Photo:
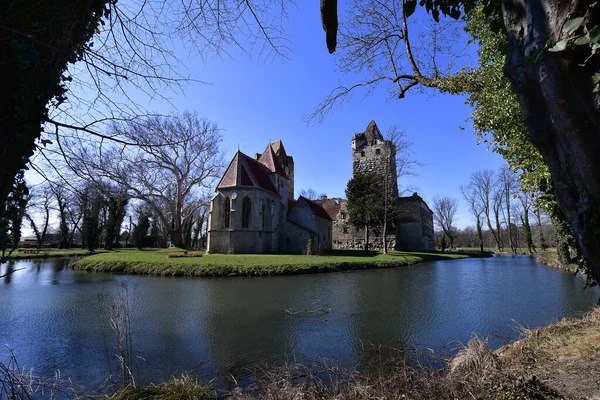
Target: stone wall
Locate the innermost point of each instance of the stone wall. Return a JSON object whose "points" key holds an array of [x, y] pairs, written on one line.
{"points": [[414, 230], [303, 215], [266, 227], [296, 238], [415, 224], [378, 158]]}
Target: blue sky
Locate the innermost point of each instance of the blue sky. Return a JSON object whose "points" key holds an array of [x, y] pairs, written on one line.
{"points": [[255, 99]]}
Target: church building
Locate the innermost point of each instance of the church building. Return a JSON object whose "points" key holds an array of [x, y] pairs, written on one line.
{"points": [[254, 211]]}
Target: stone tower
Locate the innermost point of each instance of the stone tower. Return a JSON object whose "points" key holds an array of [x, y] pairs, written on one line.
{"points": [[371, 153]]}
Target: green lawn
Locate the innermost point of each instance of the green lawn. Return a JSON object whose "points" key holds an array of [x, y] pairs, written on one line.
{"points": [[155, 261], [48, 253]]}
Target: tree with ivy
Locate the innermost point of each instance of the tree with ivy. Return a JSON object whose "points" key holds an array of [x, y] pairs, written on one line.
{"points": [[140, 231], [16, 206], [550, 58], [116, 204], [497, 120]]}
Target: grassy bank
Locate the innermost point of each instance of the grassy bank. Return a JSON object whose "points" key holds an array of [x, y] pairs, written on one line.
{"points": [[156, 262], [560, 361], [551, 259], [21, 254]]}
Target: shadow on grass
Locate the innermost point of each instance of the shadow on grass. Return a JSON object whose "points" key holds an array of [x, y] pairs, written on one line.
{"points": [[350, 253]]}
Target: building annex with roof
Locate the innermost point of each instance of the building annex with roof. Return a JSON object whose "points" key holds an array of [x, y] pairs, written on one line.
{"points": [[254, 211]]}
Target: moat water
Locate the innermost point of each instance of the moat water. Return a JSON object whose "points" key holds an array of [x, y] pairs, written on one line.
{"points": [[51, 317]]}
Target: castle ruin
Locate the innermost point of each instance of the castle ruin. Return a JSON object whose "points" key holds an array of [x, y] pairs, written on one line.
{"points": [[372, 153]]}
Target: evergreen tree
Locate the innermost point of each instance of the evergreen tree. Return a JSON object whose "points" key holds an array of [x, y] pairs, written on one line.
{"points": [[140, 231], [361, 193]]}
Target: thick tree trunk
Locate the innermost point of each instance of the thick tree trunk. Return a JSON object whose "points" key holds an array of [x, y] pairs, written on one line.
{"points": [[495, 234], [541, 229], [366, 246], [479, 234], [511, 241], [385, 247], [177, 239], [560, 111], [498, 237]]}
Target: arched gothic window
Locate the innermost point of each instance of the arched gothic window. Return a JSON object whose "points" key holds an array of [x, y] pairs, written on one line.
{"points": [[226, 211], [246, 211]]}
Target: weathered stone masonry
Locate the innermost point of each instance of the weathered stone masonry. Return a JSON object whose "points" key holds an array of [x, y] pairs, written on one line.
{"points": [[371, 153]]}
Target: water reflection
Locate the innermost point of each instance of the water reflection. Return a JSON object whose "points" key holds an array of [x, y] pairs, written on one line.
{"points": [[51, 315]]}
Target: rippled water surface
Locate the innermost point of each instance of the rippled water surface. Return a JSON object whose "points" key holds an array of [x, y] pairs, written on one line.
{"points": [[50, 316]]}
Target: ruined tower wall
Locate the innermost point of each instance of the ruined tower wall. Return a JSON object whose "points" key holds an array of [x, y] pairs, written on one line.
{"points": [[378, 158]]}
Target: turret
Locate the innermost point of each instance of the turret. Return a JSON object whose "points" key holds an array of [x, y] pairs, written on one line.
{"points": [[371, 153]]}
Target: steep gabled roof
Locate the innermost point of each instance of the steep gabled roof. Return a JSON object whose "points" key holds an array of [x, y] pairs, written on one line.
{"points": [[269, 159], [331, 207], [246, 171], [229, 178], [316, 208], [278, 148]]}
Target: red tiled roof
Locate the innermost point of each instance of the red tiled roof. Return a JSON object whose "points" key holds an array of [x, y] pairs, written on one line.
{"points": [[245, 178], [331, 207], [281, 153], [230, 176], [278, 148], [269, 159], [316, 209], [260, 173], [246, 171]]}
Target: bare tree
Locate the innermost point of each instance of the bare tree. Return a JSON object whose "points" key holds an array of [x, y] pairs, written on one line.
{"points": [[527, 200], [538, 215], [177, 157], [377, 43], [38, 212], [387, 187], [507, 182], [311, 194], [61, 206], [444, 214], [483, 183], [497, 209], [406, 163], [470, 194], [70, 68], [395, 162]]}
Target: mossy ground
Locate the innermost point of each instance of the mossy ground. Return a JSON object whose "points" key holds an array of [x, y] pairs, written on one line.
{"points": [[156, 262]]}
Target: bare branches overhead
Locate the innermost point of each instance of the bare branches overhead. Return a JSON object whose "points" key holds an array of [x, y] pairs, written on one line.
{"points": [[378, 46]]}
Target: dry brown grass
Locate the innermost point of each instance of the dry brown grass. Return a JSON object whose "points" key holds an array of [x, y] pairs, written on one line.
{"points": [[475, 361], [524, 370], [185, 387], [568, 337]]}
